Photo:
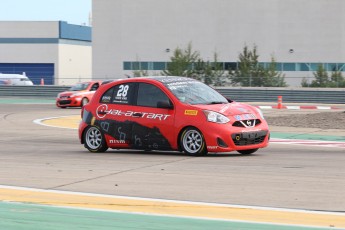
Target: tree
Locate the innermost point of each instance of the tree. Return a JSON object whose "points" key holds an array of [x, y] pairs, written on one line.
{"points": [[182, 62], [248, 72], [274, 78], [251, 73], [211, 73], [305, 82], [337, 80], [321, 77]]}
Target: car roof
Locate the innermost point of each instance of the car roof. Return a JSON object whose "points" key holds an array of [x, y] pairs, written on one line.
{"points": [[161, 79], [87, 82]]}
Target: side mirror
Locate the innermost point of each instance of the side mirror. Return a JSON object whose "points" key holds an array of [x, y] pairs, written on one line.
{"points": [[164, 105]]}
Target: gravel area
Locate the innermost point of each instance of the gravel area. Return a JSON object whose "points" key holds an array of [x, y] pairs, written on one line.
{"points": [[322, 120]]}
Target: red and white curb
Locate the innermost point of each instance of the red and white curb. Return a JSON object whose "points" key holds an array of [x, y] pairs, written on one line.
{"points": [[333, 144], [297, 107]]}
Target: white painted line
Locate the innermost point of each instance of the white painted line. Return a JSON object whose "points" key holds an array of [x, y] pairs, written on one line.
{"points": [[265, 107], [171, 201], [323, 107], [293, 107], [332, 144], [40, 122]]}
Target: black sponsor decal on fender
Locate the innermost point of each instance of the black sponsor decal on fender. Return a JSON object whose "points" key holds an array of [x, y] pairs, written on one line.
{"points": [[136, 135]]}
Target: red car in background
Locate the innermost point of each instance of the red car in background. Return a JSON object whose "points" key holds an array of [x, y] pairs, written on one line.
{"points": [[170, 113], [78, 95]]}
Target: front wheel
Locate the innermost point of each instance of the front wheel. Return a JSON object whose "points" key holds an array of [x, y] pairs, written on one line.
{"points": [[84, 101], [94, 140], [192, 142], [247, 152]]}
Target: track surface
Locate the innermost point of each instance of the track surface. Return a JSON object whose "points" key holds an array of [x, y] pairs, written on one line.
{"points": [[280, 176]]}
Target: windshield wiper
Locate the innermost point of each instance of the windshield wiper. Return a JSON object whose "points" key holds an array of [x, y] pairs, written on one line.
{"points": [[216, 102]]}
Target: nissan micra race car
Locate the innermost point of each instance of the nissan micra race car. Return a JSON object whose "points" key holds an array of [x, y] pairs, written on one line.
{"points": [[170, 113], [78, 95]]}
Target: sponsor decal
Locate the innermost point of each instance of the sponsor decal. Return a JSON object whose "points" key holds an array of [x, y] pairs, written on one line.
{"points": [[117, 141], [251, 130], [102, 111], [243, 110], [248, 116], [191, 112], [106, 99], [238, 117], [135, 135], [224, 108], [212, 147]]}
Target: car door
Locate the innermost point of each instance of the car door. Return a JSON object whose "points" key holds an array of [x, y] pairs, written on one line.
{"points": [[115, 114], [153, 124]]}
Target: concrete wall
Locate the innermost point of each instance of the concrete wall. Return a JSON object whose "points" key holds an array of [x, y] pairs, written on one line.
{"points": [[74, 64], [139, 30]]}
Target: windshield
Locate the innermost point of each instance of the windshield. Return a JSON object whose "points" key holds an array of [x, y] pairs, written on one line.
{"points": [[24, 79], [194, 92], [79, 86]]}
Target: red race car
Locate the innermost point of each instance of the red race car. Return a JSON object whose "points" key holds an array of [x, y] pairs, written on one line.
{"points": [[78, 95], [170, 113]]}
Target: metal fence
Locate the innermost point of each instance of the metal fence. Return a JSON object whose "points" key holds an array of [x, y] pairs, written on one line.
{"points": [[292, 95], [46, 91], [296, 95]]}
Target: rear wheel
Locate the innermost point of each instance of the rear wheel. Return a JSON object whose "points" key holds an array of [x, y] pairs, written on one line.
{"points": [[84, 101], [247, 152], [192, 142], [94, 140]]}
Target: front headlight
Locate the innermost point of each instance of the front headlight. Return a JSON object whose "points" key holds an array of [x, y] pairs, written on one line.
{"points": [[260, 112], [216, 117], [75, 95]]}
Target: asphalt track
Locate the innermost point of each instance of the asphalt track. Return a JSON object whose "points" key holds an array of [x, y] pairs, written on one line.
{"points": [[49, 181]]}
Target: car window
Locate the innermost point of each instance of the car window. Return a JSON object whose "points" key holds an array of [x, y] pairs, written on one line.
{"points": [[107, 97], [79, 86], [119, 94], [194, 92], [94, 87], [149, 95]]}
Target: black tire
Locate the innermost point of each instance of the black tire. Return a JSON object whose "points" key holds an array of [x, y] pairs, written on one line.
{"points": [[192, 142], [94, 140], [248, 151], [84, 101]]}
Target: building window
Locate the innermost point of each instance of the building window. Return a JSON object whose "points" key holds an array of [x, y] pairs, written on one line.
{"points": [[280, 66], [289, 67]]}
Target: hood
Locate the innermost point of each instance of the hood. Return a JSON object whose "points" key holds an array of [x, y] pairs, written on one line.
{"points": [[69, 93], [230, 109]]}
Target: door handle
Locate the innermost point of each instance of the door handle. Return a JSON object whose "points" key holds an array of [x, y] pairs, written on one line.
{"points": [[137, 115], [102, 113]]}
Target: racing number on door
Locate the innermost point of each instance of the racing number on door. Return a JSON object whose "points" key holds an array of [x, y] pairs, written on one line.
{"points": [[122, 92]]}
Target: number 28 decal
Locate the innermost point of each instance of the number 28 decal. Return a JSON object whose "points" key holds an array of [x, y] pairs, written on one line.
{"points": [[122, 92]]}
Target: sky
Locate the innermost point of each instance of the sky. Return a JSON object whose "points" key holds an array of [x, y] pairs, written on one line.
{"points": [[72, 11]]}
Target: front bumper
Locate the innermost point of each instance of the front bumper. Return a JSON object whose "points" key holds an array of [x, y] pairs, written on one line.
{"points": [[70, 102], [227, 138]]}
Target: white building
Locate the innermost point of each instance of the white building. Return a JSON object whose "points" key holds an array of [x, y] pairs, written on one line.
{"points": [[129, 35], [55, 51]]}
